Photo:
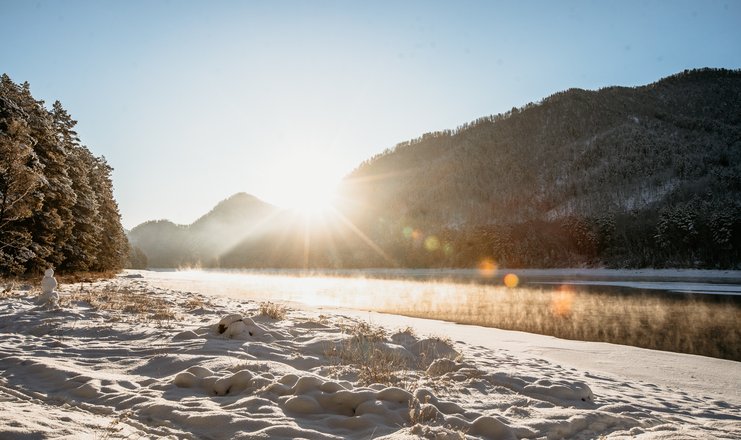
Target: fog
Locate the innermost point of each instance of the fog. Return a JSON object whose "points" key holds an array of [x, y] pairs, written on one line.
{"points": [[650, 309]]}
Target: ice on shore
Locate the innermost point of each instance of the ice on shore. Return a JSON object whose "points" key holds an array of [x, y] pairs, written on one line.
{"points": [[221, 370]]}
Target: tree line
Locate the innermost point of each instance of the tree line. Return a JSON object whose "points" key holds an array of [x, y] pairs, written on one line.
{"points": [[56, 198]]}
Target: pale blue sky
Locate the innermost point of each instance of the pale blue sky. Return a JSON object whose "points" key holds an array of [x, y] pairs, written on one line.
{"points": [[191, 102]]}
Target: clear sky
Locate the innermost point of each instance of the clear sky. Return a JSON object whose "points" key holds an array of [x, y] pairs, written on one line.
{"points": [[191, 102]]}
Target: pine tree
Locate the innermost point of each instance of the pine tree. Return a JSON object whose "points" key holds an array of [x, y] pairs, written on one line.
{"points": [[56, 198], [80, 248], [20, 176], [51, 225], [113, 249]]}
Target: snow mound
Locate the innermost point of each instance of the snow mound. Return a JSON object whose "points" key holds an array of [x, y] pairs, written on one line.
{"points": [[561, 390], [438, 367], [434, 348], [238, 326], [206, 380]]}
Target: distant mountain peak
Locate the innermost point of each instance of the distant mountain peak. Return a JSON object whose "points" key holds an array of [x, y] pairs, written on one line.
{"points": [[225, 225], [238, 199], [243, 196]]}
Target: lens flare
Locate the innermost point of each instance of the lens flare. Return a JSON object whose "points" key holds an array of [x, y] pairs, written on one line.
{"points": [[511, 280], [487, 267], [407, 231], [448, 249], [562, 302], [432, 243]]}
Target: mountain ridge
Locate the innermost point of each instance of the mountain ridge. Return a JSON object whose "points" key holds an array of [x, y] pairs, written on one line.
{"points": [[620, 176], [577, 119], [167, 244]]}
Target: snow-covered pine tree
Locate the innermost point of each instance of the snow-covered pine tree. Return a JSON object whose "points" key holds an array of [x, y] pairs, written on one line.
{"points": [[20, 176]]}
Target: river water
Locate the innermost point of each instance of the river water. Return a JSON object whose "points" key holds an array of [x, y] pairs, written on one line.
{"points": [[374, 288]]}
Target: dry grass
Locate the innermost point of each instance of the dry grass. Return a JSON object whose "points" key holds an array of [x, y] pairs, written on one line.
{"points": [[702, 324], [417, 413], [699, 324], [195, 302], [82, 277], [409, 331], [8, 284], [424, 419], [272, 310], [114, 427], [321, 319], [123, 303], [366, 332], [7, 290], [366, 352]]}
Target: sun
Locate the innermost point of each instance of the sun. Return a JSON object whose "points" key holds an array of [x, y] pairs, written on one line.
{"points": [[307, 185], [309, 195], [313, 200]]}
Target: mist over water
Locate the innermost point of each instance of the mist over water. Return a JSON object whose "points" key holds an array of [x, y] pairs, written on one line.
{"points": [[641, 310], [374, 287]]}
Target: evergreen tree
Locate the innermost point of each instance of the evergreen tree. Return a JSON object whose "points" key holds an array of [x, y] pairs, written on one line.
{"points": [[113, 249], [56, 198], [79, 250], [51, 224], [20, 176]]}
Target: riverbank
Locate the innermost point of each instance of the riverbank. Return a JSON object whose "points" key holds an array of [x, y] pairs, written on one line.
{"points": [[123, 358], [679, 316]]}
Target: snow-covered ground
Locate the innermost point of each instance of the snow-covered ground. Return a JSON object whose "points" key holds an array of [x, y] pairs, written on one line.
{"points": [[149, 362]]}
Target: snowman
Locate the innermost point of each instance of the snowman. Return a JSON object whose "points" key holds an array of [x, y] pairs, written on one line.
{"points": [[48, 295]]}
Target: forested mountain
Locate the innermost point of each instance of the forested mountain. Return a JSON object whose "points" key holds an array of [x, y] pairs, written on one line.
{"points": [[576, 151], [639, 176], [56, 198], [204, 242], [622, 176]]}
